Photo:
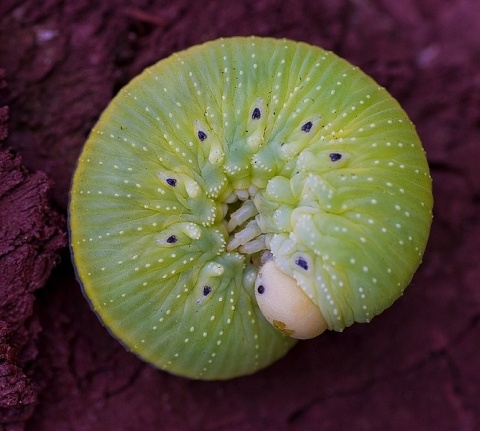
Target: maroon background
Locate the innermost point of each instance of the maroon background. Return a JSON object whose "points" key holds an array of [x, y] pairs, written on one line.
{"points": [[416, 367]]}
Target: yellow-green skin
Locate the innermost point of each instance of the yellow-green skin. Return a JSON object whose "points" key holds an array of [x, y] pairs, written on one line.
{"points": [[337, 185]]}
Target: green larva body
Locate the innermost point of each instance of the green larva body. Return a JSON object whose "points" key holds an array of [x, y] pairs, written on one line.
{"points": [[218, 153]]}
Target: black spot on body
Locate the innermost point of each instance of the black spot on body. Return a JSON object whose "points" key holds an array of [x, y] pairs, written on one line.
{"points": [[256, 114], [302, 263], [260, 289], [206, 290], [171, 182], [202, 135], [172, 239], [307, 127], [334, 157]]}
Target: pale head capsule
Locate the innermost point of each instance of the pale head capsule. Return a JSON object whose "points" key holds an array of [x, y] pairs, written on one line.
{"points": [[285, 305]]}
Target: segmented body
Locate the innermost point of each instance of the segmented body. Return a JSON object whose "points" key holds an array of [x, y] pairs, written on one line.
{"points": [[221, 152]]}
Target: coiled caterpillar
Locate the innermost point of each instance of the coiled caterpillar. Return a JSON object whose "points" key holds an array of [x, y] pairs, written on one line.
{"points": [[221, 155]]}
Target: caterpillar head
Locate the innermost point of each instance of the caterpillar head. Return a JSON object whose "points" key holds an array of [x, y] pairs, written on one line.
{"points": [[285, 305]]}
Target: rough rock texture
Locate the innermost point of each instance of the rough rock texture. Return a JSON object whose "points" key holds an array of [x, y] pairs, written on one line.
{"points": [[415, 367], [30, 234]]}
